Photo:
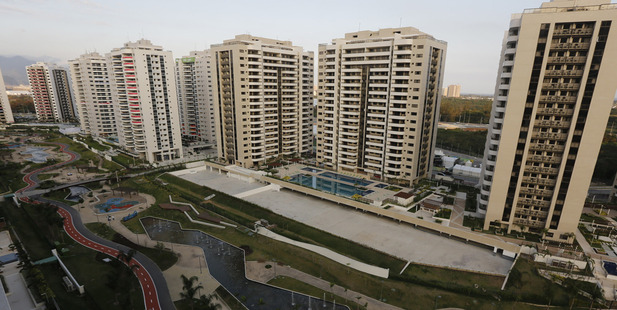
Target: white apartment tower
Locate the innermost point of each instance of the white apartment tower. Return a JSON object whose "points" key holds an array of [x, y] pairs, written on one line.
{"points": [[378, 103], [555, 88], [6, 114], [143, 89], [51, 91], [263, 98], [195, 100], [93, 95]]}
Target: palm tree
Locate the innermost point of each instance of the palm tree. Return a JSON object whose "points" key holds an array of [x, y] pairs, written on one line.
{"points": [[119, 279], [188, 290], [205, 302], [126, 257]]}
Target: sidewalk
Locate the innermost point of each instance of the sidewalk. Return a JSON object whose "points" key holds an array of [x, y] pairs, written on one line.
{"points": [[458, 211], [257, 271]]}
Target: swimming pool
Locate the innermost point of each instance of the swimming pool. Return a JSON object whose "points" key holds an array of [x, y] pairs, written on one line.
{"points": [[344, 178], [114, 204], [327, 185]]}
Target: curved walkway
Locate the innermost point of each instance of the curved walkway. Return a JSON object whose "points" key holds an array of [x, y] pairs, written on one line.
{"points": [[153, 284]]}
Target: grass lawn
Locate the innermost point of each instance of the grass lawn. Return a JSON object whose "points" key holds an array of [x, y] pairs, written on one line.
{"points": [[418, 285], [46, 176], [59, 195], [82, 262], [87, 156], [124, 160], [93, 143], [585, 217], [111, 166], [473, 222], [164, 259], [89, 269], [299, 286], [12, 178]]}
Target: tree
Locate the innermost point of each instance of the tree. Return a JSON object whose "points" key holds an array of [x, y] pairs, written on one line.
{"points": [[119, 279], [189, 290], [206, 302]]}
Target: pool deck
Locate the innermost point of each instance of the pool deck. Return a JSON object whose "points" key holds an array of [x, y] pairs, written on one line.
{"points": [[378, 194], [385, 235]]}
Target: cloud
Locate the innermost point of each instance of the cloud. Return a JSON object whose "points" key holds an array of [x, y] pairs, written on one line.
{"points": [[13, 9]]}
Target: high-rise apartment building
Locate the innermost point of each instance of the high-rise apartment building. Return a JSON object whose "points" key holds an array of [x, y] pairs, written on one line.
{"points": [[143, 88], [6, 114], [453, 91], [263, 97], [93, 95], [554, 92], [195, 100], [378, 103], [51, 91]]}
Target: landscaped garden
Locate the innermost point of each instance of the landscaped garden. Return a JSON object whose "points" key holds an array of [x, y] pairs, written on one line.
{"points": [[417, 282]]}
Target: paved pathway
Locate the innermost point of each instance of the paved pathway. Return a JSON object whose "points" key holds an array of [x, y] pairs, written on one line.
{"points": [[153, 285], [458, 212], [256, 271]]}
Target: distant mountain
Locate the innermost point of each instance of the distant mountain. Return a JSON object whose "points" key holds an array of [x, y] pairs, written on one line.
{"points": [[14, 68]]}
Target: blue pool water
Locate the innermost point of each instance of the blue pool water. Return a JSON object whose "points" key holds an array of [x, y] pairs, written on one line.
{"points": [[345, 178], [611, 268], [327, 185]]}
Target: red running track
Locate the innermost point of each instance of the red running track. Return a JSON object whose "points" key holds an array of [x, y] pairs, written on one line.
{"points": [[148, 288], [151, 300]]}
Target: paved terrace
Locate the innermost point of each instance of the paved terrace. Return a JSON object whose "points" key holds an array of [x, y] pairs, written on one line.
{"points": [[399, 240]]}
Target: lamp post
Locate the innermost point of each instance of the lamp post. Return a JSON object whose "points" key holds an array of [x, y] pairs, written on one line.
{"points": [[435, 303]]}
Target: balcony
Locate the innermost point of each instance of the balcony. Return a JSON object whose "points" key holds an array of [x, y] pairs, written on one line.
{"points": [[570, 46], [550, 136], [529, 223], [540, 181], [554, 111], [541, 214], [534, 202], [547, 147], [559, 99], [567, 73], [552, 124], [545, 159]]}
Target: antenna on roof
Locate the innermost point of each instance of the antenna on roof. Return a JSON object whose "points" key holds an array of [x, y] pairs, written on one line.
{"points": [[359, 26], [400, 24]]}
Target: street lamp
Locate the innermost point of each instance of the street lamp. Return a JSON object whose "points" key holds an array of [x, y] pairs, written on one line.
{"points": [[435, 304]]}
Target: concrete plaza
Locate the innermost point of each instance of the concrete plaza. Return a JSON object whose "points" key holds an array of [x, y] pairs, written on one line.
{"points": [[400, 240]]}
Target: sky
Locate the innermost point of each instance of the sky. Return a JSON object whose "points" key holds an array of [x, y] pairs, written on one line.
{"points": [[65, 29]]}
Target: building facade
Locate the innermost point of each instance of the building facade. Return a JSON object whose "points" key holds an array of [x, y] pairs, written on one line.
{"points": [[378, 103], [6, 114], [195, 99], [553, 96], [93, 95], [263, 98], [143, 89], [51, 91], [453, 91]]}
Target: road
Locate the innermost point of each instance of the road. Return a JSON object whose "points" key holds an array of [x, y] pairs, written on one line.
{"points": [[153, 284]]}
